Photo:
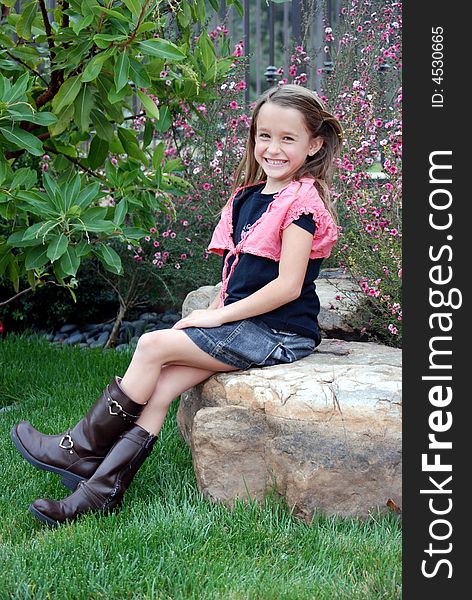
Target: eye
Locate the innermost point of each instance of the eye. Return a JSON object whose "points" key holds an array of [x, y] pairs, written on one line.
{"points": [[287, 137], [263, 135]]}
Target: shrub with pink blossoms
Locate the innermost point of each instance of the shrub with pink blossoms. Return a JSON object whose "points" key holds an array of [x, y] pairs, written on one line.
{"points": [[364, 90]]}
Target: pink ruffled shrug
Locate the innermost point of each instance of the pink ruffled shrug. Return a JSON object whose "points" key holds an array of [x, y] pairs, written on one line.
{"points": [[264, 238]]}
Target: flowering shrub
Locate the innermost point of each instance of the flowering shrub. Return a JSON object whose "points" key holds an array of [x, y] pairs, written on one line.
{"points": [[364, 91]]}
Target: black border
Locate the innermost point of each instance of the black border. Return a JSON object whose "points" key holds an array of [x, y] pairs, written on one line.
{"points": [[427, 129]]}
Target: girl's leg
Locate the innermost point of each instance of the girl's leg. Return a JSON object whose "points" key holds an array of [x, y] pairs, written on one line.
{"points": [[173, 381], [158, 348]]}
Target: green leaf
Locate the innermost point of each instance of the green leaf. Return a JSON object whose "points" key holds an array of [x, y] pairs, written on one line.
{"points": [[36, 257], [5, 169], [121, 70], [23, 139], [23, 176], [207, 50], [63, 121], [83, 248], [67, 93], [38, 204], [121, 210], [134, 233], [94, 214], [18, 90], [92, 70], [77, 26], [161, 48], [102, 126], [88, 195], [134, 6], [240, 8], [43, 118], [114, 14], [114, 96], [71, 190], [130, 145], [57, 246], [110, 259], [38, 230], [97, 152], [165, 119], [149, 106], [98, 226], [83, 104], [104, 40], [69, 261], [16, 240], [158, 155], [24, 23], [148, 133], [138, 73], [50, 185], [90, 7], [6, 257]]}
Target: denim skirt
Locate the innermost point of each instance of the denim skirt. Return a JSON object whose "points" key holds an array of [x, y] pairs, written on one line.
{"points": [[250, 343]]}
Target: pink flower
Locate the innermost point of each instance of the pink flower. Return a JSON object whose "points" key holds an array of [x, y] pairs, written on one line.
{"points": [[153, 230], [233, 104], [206, 186]]}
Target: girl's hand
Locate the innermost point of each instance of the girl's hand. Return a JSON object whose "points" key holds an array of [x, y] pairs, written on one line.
{"points": [[200, 318]]}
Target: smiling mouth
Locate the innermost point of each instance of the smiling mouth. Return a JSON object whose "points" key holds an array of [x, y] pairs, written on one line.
{"points": [[275, 163]]}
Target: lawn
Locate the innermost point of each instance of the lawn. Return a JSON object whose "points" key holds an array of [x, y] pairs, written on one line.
{"points": [[168, 542]]}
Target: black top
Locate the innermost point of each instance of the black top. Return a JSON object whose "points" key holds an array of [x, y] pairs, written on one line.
{"points": [[253, 272]]}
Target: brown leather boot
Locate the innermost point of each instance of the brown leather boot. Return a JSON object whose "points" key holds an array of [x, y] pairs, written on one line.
{"points": [[104, 491], [77, 453]]}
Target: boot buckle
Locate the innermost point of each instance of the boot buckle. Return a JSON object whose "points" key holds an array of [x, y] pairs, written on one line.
{"points": [[66, 439], [112, 403]]}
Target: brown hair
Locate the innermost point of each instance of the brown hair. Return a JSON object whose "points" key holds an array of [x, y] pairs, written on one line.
{"points": [[319, 122]]}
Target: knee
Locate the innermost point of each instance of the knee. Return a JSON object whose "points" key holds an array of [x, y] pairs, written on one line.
{"points": [[149, 344]]}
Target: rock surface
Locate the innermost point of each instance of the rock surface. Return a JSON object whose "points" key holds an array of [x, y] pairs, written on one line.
{"points": [[339, 298], [324, 432]]}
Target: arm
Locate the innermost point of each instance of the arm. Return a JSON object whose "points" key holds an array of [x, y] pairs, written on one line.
{"points": [[215, 303], [296, 248]]}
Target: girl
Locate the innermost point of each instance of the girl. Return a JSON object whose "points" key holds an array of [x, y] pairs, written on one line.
{"points": [[273, 234]]}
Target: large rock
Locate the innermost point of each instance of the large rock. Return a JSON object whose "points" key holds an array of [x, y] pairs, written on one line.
{"points": [[339, 301], [324, 432]]}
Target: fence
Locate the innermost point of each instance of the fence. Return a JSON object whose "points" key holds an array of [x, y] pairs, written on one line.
{"points": [[271, 30]]}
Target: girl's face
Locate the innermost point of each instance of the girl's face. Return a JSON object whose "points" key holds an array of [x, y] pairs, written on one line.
{"points": [[283, 143]]}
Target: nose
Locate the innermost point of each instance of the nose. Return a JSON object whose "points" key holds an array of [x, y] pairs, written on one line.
{"points": [[273, 147]]}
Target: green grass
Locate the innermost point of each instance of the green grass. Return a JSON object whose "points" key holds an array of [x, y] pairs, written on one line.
{"points": [[168, 542]]}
